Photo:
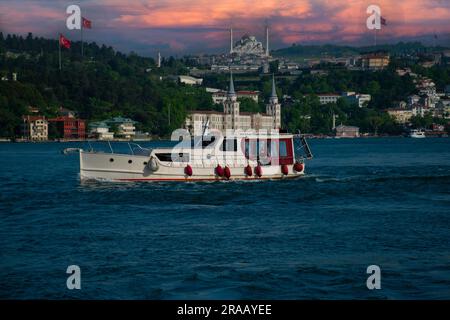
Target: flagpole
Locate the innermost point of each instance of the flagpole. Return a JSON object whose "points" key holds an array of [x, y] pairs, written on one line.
{"points": [[82, 46], [59, 51], [376, 31]]}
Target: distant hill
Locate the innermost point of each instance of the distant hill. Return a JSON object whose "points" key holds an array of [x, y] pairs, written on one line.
{"points": [[300, 51]]}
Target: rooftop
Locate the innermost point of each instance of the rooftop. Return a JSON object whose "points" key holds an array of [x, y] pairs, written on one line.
{"points": [[347, 127], [118, 120], [33, 118], [205, 112]]}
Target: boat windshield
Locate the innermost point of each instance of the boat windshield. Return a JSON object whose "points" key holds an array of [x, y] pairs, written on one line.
{"points": [[119, 147]]}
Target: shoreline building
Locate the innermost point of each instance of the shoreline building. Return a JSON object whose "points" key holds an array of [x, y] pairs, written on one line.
{"points": [[35, 128], [232, 118], [100, 130], [346, 131], [67, 126], [122, 127]]}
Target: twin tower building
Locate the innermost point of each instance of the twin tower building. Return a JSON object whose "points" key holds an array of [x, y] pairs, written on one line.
{"points": [[232, 119]]}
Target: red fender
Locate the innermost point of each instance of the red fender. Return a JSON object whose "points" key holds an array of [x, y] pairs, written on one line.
{"points": [[227, 172], [285, 169], [188, 170], [248, 171], [258, 171], [219, 171], [298, 167]]}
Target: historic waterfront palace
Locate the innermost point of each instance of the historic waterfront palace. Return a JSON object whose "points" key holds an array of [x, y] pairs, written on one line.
{"points": [[232, 118]]}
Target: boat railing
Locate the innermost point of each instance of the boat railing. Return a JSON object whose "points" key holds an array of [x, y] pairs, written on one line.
{"points": [[302, 149]]}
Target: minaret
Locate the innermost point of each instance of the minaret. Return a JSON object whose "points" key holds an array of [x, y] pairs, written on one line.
{"points": [[231, 107], [231, 40], [267, 39], [159, 59], [273, 108], [231, 93], [273, 95]]}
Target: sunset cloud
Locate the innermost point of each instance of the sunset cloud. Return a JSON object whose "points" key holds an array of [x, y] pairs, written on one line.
{"points": [[181, 26]]}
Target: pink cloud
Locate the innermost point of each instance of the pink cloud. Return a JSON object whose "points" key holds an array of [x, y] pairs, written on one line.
{"points": [[187, 24]]}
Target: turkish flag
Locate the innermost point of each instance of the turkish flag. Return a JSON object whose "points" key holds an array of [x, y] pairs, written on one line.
{"points": [[87, 23], [64, 42]]}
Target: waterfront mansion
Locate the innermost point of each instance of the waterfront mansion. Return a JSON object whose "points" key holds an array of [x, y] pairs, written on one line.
{"points": [[232, 118]]}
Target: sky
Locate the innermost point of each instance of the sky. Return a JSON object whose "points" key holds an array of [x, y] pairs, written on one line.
{"points": [[178, 27]]}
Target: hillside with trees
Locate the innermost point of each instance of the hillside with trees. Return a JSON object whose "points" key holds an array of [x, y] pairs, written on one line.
{"points": [[103, 84], [107, 83]]}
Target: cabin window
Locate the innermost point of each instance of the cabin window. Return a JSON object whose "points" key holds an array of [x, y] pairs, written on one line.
{"points": [[264, 152], [286, 151], [167, 157], [283, 148], [251, 149], [208, 141]]}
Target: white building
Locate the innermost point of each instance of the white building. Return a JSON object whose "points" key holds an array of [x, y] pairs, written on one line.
{"points": [[232, 118], [125, 127], [400, 115], [35, 128], [413, 99], [100, 131], [326, 98], [359, 99], [190, 80], [347, 131]]}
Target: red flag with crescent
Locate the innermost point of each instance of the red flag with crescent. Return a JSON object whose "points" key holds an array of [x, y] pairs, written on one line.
{"points": [[87, 24], [64, 42]]}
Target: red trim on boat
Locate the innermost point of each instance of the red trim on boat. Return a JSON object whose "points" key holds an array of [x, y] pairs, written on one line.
{"points": [[206, 179]]}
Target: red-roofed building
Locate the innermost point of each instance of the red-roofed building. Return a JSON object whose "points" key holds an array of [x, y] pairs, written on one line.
{"points": [[248, 94], [67, 127]]}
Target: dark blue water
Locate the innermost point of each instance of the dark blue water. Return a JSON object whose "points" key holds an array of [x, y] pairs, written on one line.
{"points": [[366, 201]]}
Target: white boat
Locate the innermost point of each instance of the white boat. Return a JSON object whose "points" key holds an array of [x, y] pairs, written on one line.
{"points": [[207, 158], [418, 134]]}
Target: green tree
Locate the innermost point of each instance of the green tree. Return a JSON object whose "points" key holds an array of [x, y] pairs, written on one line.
{"points": [[249, 105]]}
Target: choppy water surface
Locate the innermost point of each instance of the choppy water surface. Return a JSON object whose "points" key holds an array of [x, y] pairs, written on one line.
{"points": [[363, 202]]}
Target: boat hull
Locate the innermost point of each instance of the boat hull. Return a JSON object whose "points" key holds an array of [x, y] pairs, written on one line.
{"points": [[120, 167]]}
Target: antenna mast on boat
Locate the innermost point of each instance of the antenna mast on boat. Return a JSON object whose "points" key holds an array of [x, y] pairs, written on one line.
{"points": [[205, 127]]}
